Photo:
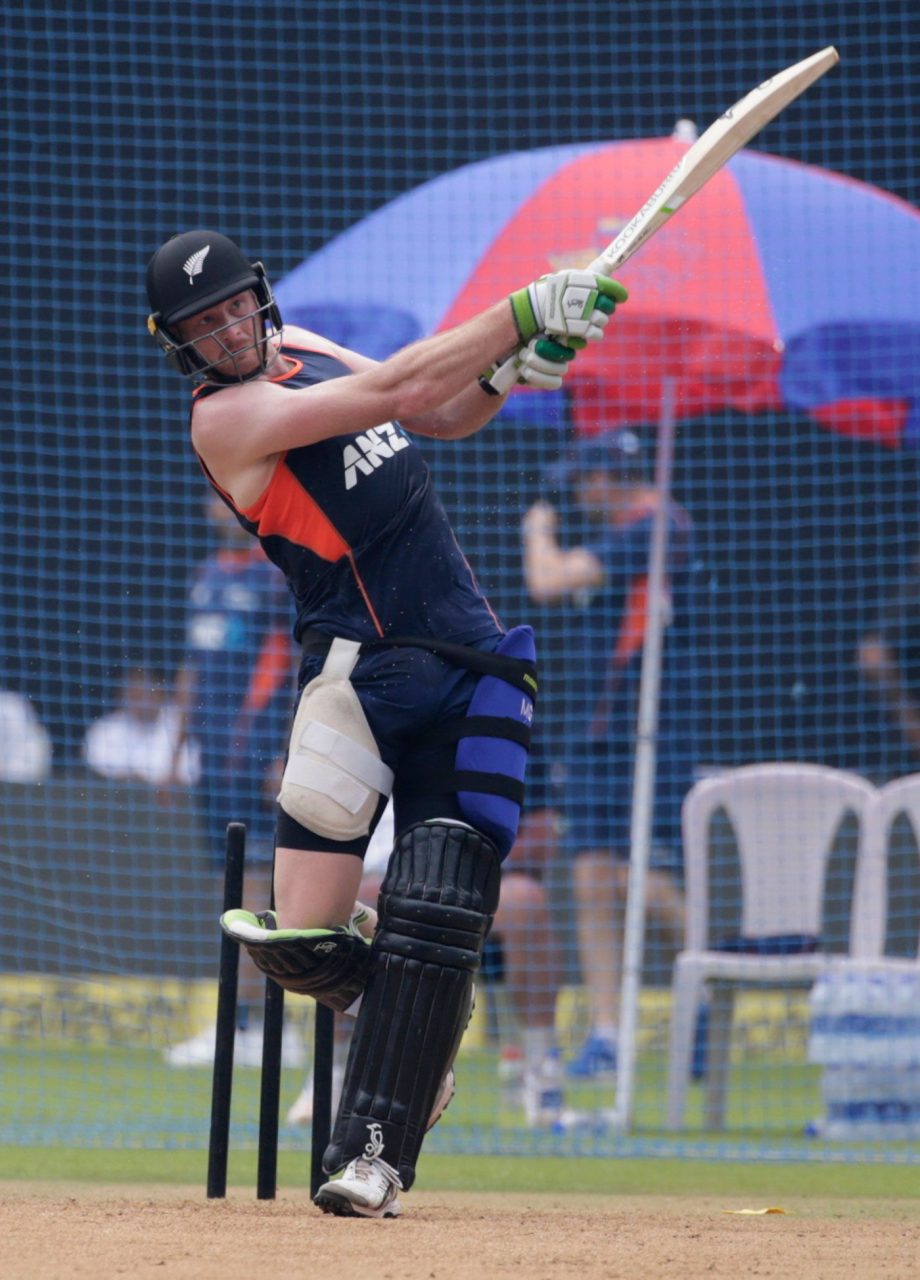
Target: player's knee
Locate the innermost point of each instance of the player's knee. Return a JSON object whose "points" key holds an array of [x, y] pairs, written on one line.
{"points": [[440, 894]]}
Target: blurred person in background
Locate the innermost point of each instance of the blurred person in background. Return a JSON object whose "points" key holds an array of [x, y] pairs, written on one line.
{"points": [[25, 744], [888, 658], [141, 740], [596, 572], [234, 694]]}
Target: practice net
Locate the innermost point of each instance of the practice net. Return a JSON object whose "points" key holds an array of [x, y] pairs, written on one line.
{"points": [[397, 167]]}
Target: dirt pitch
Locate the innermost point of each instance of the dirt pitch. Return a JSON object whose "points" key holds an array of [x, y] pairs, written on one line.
{"points": [[52, 1231]]}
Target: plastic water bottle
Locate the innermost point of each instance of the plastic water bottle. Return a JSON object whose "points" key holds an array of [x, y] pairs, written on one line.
{"points": [[905, 1017], [835, 1001], [821, 1010], [871, 1103], [865, 1031]]}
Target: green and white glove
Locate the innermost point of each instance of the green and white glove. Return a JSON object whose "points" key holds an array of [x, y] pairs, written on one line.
{"points": [[331, 965], [572, 305], [542, 363]]}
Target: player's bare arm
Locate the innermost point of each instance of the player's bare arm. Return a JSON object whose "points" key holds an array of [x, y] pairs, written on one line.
{"points": [[460, 417], [260, 419]]}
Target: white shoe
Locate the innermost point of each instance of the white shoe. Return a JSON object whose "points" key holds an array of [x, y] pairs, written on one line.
{"points": [[247, 1051], [542, 1094], [367, 1189]]}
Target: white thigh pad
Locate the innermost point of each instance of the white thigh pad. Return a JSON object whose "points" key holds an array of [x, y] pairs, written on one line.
{"points": [[334, 776]]}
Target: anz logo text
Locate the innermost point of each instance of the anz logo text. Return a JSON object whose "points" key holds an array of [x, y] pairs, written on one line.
{"points": [[370, 450]]}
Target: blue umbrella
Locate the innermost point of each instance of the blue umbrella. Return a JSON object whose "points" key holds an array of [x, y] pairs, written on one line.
{"points": [[779, 284]]}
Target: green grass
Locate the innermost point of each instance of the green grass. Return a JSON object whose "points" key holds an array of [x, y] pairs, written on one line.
{"points": [[121, 1116], [607, 1177], [91, 1096]]}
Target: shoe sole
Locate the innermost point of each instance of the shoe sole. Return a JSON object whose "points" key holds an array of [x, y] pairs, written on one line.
{"points": [[342, 1207]]}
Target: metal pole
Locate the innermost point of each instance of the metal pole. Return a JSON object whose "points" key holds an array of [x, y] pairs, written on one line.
{"points": [[643, 798]]}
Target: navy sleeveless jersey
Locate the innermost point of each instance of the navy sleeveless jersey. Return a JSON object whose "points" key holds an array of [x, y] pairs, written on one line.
{"points": [[355, 526]]}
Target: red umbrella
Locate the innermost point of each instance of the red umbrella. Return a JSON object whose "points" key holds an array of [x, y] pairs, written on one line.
{"points": [[778, 285]]}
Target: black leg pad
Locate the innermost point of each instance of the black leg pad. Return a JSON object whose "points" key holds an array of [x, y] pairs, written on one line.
{"points": [[436, 907]]}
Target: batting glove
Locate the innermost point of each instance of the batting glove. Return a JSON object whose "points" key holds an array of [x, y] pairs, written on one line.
{"points": [[542, 363], [567, 304]]}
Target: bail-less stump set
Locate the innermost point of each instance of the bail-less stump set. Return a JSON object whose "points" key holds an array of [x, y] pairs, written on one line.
{"points": [[270, 1092]]}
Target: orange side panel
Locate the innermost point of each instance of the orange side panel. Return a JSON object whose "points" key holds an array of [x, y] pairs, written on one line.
{"points": [[286, 509]]}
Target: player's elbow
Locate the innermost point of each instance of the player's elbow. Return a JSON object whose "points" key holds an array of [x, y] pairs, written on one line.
{"points": [[445, 421], [418, 398]]}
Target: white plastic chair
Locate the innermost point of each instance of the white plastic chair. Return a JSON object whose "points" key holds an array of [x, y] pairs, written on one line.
{"points": [[785, 818], [898, 798]]}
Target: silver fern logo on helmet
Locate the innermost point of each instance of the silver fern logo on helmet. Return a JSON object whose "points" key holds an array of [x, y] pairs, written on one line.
{"points": [[194, 265]]}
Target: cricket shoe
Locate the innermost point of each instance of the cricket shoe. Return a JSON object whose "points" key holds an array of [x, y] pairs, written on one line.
{"points": [[367, 1189], [197, 1051]]}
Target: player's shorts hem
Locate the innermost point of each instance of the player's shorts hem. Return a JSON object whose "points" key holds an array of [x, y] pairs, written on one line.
{"points": [[290, 834]]}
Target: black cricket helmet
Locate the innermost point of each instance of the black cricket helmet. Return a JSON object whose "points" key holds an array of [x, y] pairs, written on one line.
{"points": [[196, 270]]}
